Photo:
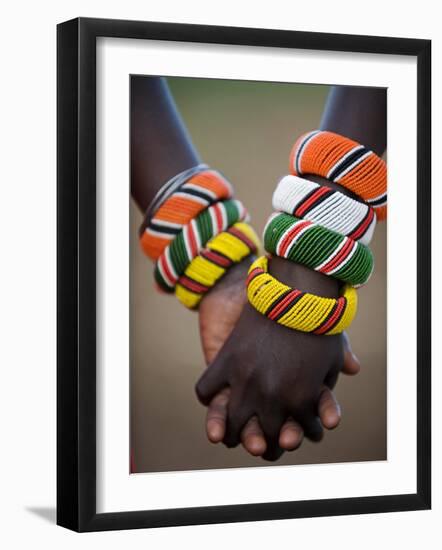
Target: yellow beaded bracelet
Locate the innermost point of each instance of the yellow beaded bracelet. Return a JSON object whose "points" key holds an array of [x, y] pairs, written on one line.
{"points": [[204, 271], [296, 309]]}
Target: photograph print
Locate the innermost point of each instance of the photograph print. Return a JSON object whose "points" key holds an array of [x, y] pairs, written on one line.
{"points": [[258, 217]]}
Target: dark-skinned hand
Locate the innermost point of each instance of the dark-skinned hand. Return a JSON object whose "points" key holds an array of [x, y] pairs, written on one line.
{"points": [[219, 311]]}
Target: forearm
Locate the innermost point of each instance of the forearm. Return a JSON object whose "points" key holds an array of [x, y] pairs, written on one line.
{"points": [[359, 114], [160, 144]]}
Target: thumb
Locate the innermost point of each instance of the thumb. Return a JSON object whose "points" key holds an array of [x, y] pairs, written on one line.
{"points": [[218, 313], [212, 381], [351, 364]]}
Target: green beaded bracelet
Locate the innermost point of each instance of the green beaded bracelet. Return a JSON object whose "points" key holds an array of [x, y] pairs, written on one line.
{"points": [[318, 248]]}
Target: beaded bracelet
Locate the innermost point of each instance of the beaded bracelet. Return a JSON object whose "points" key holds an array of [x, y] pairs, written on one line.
{"points": [[193, 238], [296, 309], [169, 188], [226, 249], [320, 204], [318, 248], [343, 161], [192, 196]]}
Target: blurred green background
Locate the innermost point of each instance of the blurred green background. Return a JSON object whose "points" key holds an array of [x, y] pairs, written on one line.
{"points": [[245, 130]]}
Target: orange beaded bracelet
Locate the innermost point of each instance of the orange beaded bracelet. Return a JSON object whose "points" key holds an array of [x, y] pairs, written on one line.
{"points": [[343, 161], [192, 197]]}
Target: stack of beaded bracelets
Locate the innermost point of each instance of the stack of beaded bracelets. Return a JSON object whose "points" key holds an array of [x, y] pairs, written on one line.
{"points": [[322, 229], [195, 234]]}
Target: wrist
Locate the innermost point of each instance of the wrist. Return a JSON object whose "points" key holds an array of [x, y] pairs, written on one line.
{"points": [[334, 186], [298, 276]]}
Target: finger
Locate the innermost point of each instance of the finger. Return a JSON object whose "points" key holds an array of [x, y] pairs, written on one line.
{"points": [[216, 416], [351, 364], [328, 409], [310, 423], [291, 435], [238, 414], [273, 453], [252, 437], [313, 429], [212, 381], [331, 378], [271, 423]]}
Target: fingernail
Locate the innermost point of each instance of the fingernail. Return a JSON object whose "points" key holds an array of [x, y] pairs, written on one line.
{"points": [[215, 433]]}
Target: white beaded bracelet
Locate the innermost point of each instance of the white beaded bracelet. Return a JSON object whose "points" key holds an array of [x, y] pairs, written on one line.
{"points": [[320, 204]]}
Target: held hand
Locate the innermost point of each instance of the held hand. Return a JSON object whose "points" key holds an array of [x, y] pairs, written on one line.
{"points": [[219, 312], [291, 434], [273, 373]]}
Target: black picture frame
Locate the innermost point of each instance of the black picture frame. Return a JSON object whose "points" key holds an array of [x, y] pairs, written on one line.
{"points": [[76, 273]]}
